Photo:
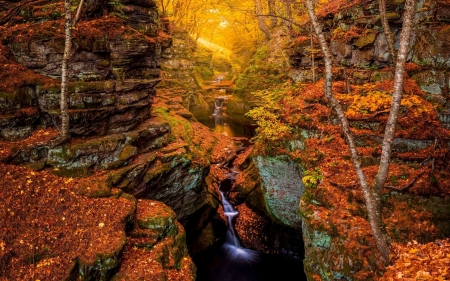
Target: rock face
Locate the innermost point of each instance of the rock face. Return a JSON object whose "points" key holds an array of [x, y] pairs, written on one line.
{"points": [[156, 249], [282, 186], [133, 141], [113, 70], [358, 44], [179, 73], [338, 242]]}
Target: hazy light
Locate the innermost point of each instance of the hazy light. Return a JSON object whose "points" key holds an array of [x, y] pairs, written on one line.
{"points": [[213, 47]]}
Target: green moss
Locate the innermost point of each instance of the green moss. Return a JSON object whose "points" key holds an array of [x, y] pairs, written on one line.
{"points": [[8, 96], [365, 40], [127, 152], [156, 171], [60, 154], [72, 172], [39, 165]]}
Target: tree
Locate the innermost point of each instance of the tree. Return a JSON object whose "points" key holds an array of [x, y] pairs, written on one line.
{"points": [[68, 26], [372, 199], [387, 31], [261, 19]]}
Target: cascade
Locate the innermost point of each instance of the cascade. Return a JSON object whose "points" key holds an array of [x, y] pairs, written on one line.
{"points": [[232, 245], [218, 106], [229, 260]]}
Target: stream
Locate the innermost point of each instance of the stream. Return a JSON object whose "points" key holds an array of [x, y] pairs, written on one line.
{"points": [[228, 259]]}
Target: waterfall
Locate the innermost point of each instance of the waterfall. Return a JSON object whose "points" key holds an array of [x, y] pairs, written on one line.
{"points": [[232, 244], [218, 104], [231, 213]]}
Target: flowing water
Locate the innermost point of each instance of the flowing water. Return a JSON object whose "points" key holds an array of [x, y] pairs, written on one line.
{"points": [[220, 124], [228, 260]]}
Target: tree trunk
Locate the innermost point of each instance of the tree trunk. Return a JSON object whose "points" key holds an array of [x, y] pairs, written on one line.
{"points": [[68, 25], [370, 206], [405, 37], [273, 20], [261, 23], [65, 131], [387, 31], [313, 63], [288, 9]]}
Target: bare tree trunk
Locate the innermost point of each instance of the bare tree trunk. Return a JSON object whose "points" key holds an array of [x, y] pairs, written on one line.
{"points": [[65, 130], [347, 81], [261, 23], [313, 63], [288, 9], [68, 25], [370, 206], [387, 31], [405, 37]]}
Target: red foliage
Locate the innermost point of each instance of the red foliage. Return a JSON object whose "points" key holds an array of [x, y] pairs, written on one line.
{"points": [[334, 6], [14, 75]]}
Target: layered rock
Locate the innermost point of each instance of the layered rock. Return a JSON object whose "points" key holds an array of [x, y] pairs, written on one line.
{"points": [[121, 140], [360, 49], [180, 75]]}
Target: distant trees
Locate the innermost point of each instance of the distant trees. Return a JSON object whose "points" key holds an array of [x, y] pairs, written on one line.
{"points": [[372, 197]]}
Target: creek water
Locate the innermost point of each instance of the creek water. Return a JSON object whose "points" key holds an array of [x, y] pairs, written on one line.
{"points": [[228, 259]]}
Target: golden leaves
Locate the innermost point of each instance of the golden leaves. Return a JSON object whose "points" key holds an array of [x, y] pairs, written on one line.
{"points": [[414, 261]]}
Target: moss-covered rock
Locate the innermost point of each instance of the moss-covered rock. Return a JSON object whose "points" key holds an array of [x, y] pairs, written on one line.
{"points": [[282, 187]]}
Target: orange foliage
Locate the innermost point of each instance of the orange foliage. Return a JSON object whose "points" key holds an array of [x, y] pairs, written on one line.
{"points": [[347, 36], [38, 136], [334, 6], [415, 261], [14, 75], [50, 225], [410, 66]]}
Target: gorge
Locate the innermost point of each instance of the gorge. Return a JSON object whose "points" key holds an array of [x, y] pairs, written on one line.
{"points": [[191, 129]]}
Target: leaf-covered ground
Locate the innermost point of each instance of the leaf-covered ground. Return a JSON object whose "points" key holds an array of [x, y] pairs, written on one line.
{"points": [[413, 261], [416, 194], [48, 230]]}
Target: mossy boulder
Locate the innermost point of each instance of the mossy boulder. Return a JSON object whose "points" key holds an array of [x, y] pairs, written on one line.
{"points": [[365, 40], [282, 187]]}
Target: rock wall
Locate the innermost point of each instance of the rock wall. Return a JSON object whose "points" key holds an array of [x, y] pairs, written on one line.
{"points": [[124, 136], [179, 74], [337, 237], [359, 48]]}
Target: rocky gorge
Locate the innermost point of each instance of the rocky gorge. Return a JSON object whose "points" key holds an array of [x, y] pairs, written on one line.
{"points": [[134, 194]]}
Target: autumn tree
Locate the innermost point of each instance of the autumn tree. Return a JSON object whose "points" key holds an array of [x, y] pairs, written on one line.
{"points": [[372, 197], [261, 19], [69, 24]]}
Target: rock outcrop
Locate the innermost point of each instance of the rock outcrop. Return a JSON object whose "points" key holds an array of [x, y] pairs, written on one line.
{"points": [[125, 139], [337, 236], [360, 50], [266, 194], [56, 233]]}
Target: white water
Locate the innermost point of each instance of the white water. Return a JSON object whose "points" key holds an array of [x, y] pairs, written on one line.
{"points": [[232, 245], [218, 104]]}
